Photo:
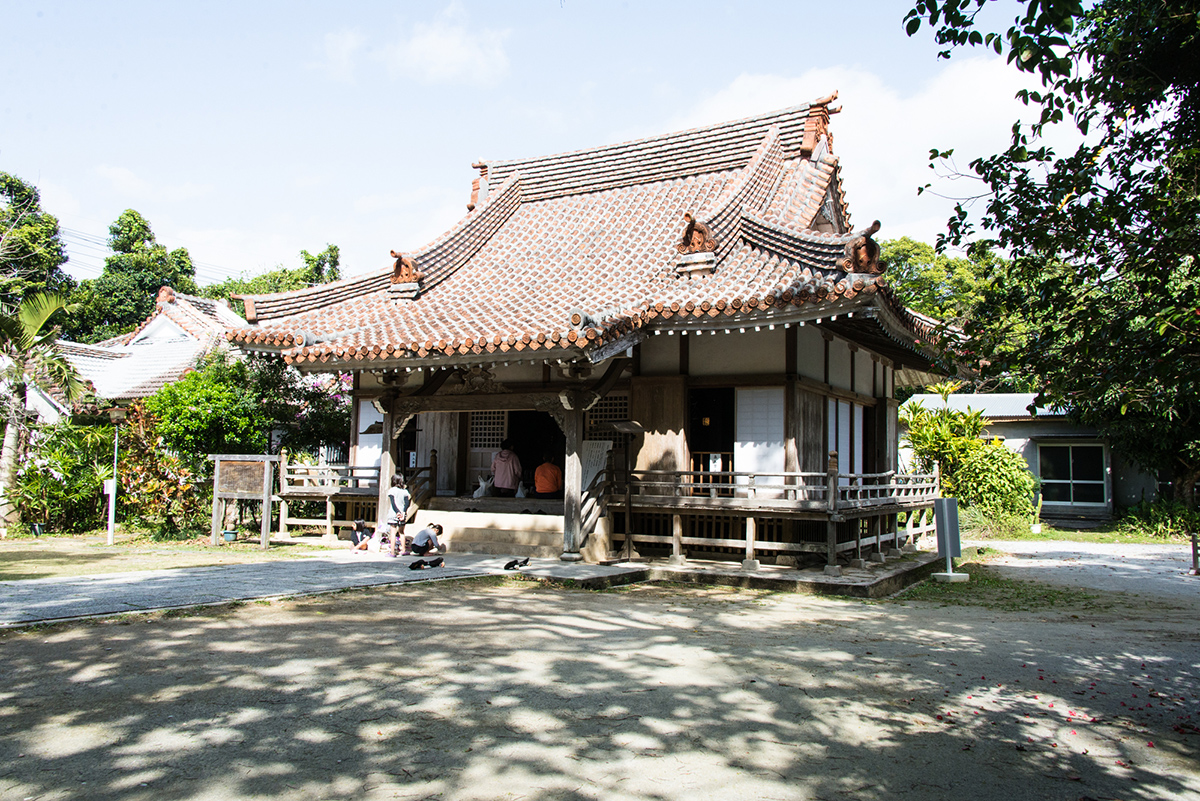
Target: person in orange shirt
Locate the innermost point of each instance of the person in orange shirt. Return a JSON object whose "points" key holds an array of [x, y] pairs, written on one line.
{"points": [[548, 479]]}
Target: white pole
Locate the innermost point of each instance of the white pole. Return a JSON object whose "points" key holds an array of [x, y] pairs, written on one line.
{"points": [[112, 495]]}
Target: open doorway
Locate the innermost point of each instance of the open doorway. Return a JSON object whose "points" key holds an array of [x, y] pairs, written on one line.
{"points": [[533, 434]]}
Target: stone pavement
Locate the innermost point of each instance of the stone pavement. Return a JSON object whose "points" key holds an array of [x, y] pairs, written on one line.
{"points": [[51, 599]]}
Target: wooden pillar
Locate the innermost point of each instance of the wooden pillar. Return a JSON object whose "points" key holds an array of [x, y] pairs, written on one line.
{"points": [[329, 516], [573, 484], [387, 465], [283, 516], [750, 563], [677, 539], [831, 499]]}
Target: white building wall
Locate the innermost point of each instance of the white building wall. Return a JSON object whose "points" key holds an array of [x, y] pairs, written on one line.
{"points": [[754, 352], [759, 434], [839, 364], [810, 353]]}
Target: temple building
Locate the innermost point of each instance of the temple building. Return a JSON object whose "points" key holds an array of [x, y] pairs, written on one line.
{"points": [[688, 324]]}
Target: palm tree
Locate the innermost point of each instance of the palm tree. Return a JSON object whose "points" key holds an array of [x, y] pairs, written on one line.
{"points": [[28, 355]]}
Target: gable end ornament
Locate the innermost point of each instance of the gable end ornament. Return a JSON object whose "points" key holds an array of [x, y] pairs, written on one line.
{"points": [[862, 253], [697, 250], [406, 279]]}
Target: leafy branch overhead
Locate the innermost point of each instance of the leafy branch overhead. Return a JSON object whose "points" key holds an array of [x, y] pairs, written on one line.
{"points": [[1101, 302]]}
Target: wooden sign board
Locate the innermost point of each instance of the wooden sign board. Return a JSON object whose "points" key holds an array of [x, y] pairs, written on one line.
{"points": [[243, 478]]}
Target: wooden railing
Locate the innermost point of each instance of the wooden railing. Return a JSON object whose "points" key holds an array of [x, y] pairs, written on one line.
{"points": [[859, 490], [593, 505], [800, 491], [325, 479], [422, 482]]}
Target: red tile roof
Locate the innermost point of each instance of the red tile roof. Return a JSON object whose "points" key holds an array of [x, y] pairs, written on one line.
{"points": [[593, 235]]}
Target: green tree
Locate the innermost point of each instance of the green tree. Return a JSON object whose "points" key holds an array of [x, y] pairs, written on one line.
{"points": [[318, 269], [944, 287], [61, 483], [210, 410], [31, 247], [246, 406], [1101, 303], [124, 295], [28, 355]]}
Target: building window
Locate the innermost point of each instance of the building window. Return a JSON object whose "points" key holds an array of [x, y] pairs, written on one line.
{"points": [[1072, 473]]}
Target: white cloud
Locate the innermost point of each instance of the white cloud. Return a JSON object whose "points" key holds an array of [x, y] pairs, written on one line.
{"points": [[884, 133], [124, 181], [339, 52], [447, 50]]}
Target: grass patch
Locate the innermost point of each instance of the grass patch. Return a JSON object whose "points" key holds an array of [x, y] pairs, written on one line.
{"points": [[988, 589]]}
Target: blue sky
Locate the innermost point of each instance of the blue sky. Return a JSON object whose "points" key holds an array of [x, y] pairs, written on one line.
{"points": [[247, 131]]}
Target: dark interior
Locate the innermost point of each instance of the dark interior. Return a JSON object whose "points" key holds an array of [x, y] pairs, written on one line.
{"points": [[532, 434]]}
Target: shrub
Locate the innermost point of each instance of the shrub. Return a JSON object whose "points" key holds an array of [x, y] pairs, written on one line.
{"points": [[61, 483], [1163, 518], [995, 479], [157, 487]]}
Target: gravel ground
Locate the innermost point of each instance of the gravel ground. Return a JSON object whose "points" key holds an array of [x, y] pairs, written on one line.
{"points": [[486, 688]]}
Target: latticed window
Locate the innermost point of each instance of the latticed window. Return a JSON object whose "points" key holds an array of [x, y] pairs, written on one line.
{"points": [[487, 429], [611, 408]]}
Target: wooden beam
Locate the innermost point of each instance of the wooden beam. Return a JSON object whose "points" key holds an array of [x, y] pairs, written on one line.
{"points": [[433, 382]]}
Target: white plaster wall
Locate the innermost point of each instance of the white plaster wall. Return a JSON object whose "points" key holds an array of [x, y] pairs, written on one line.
{"points": [[368, 447], [810, 353], [660, 355], [863, 372], [737, 354], [839, 364]]}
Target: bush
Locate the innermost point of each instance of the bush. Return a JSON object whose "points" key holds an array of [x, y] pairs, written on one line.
{"points": [[995, 479], [981, 523], [61, 483], [157, 487], [1163, 518]]}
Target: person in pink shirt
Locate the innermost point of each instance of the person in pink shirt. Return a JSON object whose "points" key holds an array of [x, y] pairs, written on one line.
{"points": [[506, 471]]}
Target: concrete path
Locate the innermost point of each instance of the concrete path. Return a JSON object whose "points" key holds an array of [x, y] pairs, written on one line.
{"points": [[37, 600], [1159, 571]]}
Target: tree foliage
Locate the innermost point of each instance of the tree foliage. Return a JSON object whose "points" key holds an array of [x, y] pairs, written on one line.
{"points": [[980, 474], [61, 484], [248, 406], [946, 288], [1101, 303], [319, 269], [157, 488], [124, 295], [31, 247], [28, 355], [211, 410]]}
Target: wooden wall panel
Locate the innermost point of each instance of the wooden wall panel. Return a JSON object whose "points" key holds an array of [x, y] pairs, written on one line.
{"points": [[811, 435], [660, 405], [440, 430]]}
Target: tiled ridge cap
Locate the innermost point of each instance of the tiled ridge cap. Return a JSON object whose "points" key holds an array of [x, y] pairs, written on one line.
{"points": [[713, 148], [268, 337], [439, 259], [286, 304], [816, 179], [66, 346], [805, 246], [185, 306], [749, 191]]}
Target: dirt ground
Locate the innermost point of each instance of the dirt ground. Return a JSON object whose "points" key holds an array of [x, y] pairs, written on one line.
{"points": [[486, 689], [88, 555]]}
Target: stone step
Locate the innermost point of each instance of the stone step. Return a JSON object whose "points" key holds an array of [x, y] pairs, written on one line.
{"points": [[508, 549], [522, 537]]}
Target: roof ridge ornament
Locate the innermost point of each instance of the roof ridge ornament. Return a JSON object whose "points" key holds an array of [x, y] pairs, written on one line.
{"points": [[406, 280], [862, 253], [697, 237]]}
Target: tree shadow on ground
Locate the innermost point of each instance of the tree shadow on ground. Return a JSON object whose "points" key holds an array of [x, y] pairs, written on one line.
{"points": [[478, 689]]}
